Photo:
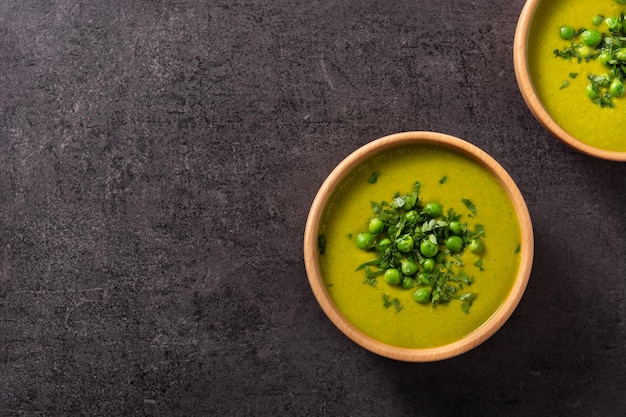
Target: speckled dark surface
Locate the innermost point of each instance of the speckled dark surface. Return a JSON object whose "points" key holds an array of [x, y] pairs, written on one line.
{"points": [[157, 162]]}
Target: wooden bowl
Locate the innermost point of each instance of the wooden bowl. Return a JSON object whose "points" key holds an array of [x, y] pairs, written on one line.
{"points": [[524, 80], [316, 280]]}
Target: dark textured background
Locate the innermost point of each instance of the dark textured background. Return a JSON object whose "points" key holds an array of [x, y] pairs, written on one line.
{"points": [[157, 162]]}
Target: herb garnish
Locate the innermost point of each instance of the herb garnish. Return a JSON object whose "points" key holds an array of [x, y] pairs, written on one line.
{"points": [[321, 244], [467, 299], [387, 302], [398, 305], [569, 53], [373, 178], [371, 275], [606, 100], [469, 205], [419, 246], [479, 264], [609, 47]]}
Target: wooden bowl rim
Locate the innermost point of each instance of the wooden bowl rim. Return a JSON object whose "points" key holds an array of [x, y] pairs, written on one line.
{"points": [[524, 81], [320, 291]]}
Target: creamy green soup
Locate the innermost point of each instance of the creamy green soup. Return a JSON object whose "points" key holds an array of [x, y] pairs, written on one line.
{"points": [[569, 105], [446, 177]]}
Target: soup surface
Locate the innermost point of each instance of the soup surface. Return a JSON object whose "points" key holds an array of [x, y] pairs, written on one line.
{"points": [[570, 107], [348, 212]]}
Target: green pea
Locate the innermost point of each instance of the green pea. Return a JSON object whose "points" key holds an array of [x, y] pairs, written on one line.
{"points": [[593, 91], [621, 1], [620, 54], [392, 276], [376, 225], [405, 244], [454, 243], [605, 57], [409, 267], [429, 264], [407, 283], [617, 88], [591, 38], [422, 295], [455, 228], [567, 32], [383, 244], [597, 19], [614, 24], [476, 246], [364, 240], [411, 216], [433, 209], [428, 248]]}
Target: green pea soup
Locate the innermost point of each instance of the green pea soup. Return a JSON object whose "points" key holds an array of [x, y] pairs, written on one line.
{"points": [[446, 177], [560, 83]]}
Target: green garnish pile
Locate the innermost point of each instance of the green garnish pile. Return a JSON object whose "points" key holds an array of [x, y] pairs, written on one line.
{"points": [[609, 47], [417, 247]]}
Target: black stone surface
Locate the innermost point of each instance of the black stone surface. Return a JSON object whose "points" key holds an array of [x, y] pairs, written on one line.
{"points": [[157, 162]]}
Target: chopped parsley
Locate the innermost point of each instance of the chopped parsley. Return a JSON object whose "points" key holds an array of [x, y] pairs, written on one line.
{"points": [[479, 264], [569, 53], [321, 244], [373, 179], [388, 302], [469, 205]]}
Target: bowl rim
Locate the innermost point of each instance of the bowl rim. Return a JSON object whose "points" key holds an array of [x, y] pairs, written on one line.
{"points": [[527, 89], [487, 329]]}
